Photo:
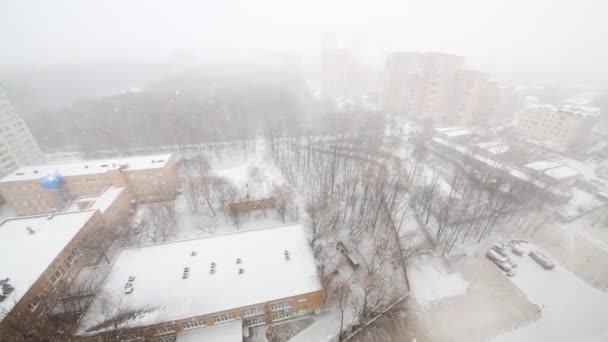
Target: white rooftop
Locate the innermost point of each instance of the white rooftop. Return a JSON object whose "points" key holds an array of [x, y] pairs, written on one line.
{"points": [[99, 202], [158, 276], [88, 167], [224, 332], [25, 253], [555, 170]]}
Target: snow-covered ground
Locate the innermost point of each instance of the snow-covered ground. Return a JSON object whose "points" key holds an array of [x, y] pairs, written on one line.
{"points": [[570, 309], [431, 281]]}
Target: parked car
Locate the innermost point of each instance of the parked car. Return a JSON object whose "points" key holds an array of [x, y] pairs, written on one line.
{"points": [[542, 260], [493, 255], [500, 249], [501, 262], [516, 249]]}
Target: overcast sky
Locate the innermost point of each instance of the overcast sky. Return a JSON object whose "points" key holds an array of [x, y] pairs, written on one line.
{"points": [[551, 36]]}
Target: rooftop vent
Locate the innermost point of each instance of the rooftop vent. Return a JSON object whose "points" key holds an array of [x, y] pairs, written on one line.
{"points": [[129, 285], [286, 254], [239, 261], [30, 230], [241, 270], [50, 217], [35, 171], [186, 273], [7, 289], [19, 173], [212, 269], [104, 165], [160, 160], [86, 166], [194, 253]]}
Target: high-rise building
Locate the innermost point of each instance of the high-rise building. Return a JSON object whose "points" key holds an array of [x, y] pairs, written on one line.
{"points": [[421, 85], [436, 87], [17, 145]]}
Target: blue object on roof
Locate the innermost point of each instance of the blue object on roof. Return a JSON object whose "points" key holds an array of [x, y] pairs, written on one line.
{"points": [[51, 181]]}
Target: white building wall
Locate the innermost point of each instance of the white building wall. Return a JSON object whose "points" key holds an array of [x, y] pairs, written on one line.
{"points": [[17, 145]]}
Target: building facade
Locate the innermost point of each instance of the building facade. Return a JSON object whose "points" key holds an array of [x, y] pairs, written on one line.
{"points": [[436, 87], [561, 125], [148, 178], [17, 145]]}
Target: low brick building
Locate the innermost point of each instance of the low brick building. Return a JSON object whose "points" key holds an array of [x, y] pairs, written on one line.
{"points": [[48, 188], [155, 292], [39, 255]]}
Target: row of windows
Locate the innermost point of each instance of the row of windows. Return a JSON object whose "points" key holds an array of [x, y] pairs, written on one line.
{"points": [[258, 310], [281, 316], [168, 338], [285, 305], [193, 323], [167, 329], [225, 317], [64, 268], [254, 321]]}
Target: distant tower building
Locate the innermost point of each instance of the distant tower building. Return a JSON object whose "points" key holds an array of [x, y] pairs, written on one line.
{"points": [[17, 145], [329, 41]]}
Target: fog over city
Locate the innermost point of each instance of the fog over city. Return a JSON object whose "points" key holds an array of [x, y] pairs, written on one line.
{"points": [[274, 171]]}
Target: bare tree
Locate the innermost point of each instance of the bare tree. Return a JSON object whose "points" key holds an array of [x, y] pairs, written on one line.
{"points": [[283, 196]]}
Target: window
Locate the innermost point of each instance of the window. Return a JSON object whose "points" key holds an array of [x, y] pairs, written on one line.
{"points": [[33, 305], [168, 338], [72, 257], [281, 316], [165, 330], [193, 323], [254, 321], [224, 317], [258, 310], [61, 271], [281, 305]]}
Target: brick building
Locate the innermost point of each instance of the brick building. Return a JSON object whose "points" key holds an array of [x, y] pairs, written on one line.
{"points": [[51, 187], [39, 255], [259, 276]]}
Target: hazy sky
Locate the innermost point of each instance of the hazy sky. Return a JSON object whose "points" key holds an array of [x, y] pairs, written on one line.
{"points": [[546, 35]]}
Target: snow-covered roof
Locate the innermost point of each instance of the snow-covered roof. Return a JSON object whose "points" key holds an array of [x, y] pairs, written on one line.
{"points": [[87, 167], [494, 146], [224, 332], [158, 272], [586, 111], [447, 129], [562, 172], [555, 170], [453, 131], [582, 110], [541, 165], [496, 164], [99, 202], [29, 244]]}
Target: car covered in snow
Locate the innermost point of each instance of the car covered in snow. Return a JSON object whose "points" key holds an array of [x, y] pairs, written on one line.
{"points": [[517, 249], [542, 260], [500, 249], [500, 261]]}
